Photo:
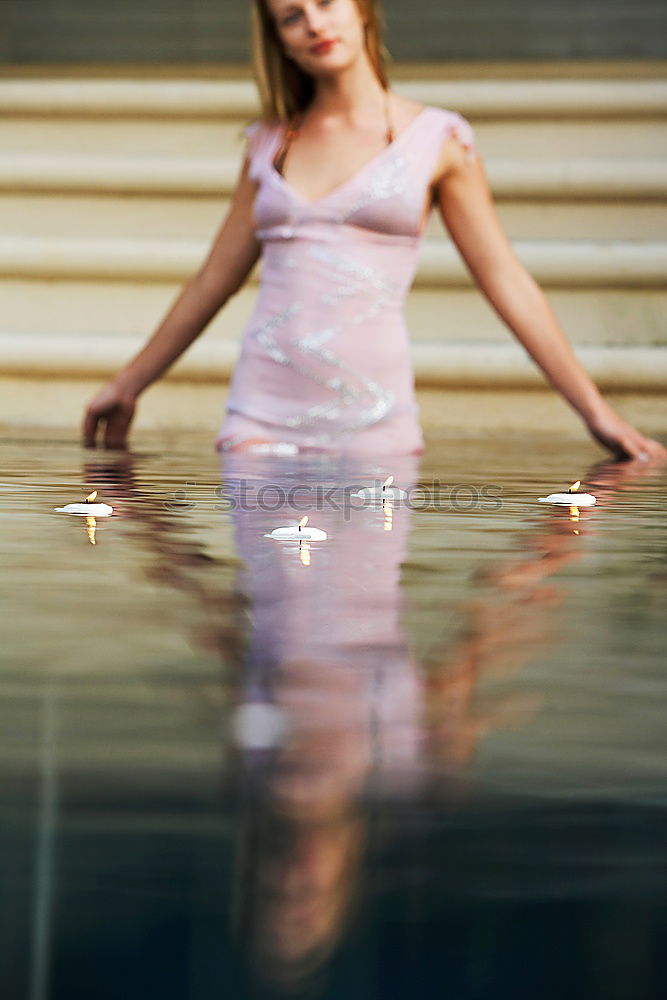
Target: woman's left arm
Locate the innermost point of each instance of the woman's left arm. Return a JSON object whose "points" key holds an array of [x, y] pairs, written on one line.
{"points": [[467, 209]]}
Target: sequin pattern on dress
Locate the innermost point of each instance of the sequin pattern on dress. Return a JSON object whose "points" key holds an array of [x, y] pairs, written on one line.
{"points": [[350, 386], [390, 180]]}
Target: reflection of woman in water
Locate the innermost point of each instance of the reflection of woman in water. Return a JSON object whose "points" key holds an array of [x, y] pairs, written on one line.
{"points": [[335, 711], [330, 703], [336, 614], [346, 712], [334, 193]]}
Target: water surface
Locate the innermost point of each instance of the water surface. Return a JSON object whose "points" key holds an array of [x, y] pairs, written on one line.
{"points": [[425, 757]]}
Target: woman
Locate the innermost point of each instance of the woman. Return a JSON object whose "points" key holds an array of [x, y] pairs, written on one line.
{"points": [[334, 192]]}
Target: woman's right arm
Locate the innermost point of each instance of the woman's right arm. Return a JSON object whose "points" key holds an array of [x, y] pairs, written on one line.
{"points": [[230, 260]]}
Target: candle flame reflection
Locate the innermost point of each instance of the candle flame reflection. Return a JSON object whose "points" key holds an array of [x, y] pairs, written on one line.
{"points": [[304, 547], [91, 525]]}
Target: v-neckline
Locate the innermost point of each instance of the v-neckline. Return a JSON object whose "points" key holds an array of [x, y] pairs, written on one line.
{"points": [[345, 184]]}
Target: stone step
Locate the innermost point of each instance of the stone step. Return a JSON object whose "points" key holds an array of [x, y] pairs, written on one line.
{"points": [[199, 218], [173, 98], [513, 119], [47, 380], [100, 309], [580, 262], [602, 293], [50, 195], [172, 406], [448, 364], [629, 138], [104, 175]]}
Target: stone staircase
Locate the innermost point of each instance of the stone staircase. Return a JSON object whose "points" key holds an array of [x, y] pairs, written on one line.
{"points": [[112, 189]]}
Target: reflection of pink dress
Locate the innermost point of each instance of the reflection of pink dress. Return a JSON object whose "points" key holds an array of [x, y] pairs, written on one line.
{"points": [[338, 618], [325, 360]]}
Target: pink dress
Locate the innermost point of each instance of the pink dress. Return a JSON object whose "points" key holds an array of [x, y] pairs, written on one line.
{"points": [[325, 361]]}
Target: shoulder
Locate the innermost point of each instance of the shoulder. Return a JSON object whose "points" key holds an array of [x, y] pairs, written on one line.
{"points": [[404, 110], [452, 142], [447, 123], [441, 128], [441, 120], [260, 134]]}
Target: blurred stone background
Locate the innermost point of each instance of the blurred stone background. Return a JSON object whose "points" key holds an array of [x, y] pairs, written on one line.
{"points": [[211, 30]]}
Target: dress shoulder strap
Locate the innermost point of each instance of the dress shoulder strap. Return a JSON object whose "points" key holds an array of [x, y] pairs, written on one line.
{"points": [[263, 140], [446, 123]]}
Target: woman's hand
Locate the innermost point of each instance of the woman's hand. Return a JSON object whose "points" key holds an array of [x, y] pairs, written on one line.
{"points": [[621, 438], [113, 409]]}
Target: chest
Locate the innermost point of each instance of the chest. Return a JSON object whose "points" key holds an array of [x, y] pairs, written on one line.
{"points": [[317, 164], [389, 194]]}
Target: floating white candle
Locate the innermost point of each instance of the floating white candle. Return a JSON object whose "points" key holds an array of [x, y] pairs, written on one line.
{"points": [[259, 726], [88, 508], [571, 498], [298, 533], [384, 492]]}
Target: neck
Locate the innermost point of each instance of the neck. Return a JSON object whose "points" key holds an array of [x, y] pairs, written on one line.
{"points": [[352, 94]]}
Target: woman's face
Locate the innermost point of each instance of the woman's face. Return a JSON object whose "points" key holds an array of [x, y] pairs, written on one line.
{"points": [[321, 36]]}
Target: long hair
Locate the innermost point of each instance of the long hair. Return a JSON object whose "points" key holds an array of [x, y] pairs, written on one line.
{"points": [[284, 88]]}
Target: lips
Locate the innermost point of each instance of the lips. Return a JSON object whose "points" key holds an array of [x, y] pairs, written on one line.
{"points": [[322, 48]]}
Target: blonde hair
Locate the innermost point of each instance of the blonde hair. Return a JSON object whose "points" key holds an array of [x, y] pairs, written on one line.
{"points": [[284, 88]]}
